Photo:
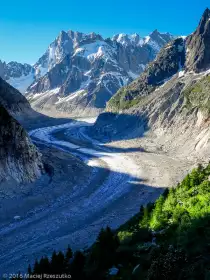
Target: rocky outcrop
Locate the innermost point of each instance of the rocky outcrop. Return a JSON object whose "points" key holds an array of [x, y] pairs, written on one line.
{"points": [[12, 99], [198, 46], [19, 158]]}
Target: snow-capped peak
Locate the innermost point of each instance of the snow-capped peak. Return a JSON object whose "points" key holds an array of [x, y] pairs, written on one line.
{"points": [[127, 39], [76, 61], [156, 39]]}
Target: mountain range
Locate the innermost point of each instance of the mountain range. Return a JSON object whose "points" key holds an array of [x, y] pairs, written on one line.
{"points": [[18, 75], [80, 72]]}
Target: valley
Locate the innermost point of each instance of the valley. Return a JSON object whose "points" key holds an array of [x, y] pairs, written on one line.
{"points": [[106, 149], [74, 213]]}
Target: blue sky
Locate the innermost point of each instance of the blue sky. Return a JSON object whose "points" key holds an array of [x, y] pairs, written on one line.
{"points": [[27, 27]]}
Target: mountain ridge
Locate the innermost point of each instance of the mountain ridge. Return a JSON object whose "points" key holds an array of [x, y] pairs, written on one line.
{"points": [[20, 160], [170, 98], [80, 72], [18, 75], [195, 58]]}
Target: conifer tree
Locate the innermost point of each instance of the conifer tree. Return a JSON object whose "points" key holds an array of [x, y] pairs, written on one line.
{"points": [[77, 266], [69, 253], [29, 269], [36, 269]]}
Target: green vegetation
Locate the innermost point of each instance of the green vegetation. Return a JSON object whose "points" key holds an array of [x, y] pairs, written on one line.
{"points": [[197, 95], [126, 98], [168, 239], [119, 101]]}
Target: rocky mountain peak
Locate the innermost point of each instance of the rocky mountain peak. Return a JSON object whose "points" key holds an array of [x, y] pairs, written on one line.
{"points": [[65, 44], [78, 37], [160, 38], [17, 74], [81, 70], [63, 36], [125, 39], [198, 46], [75, 35], [154, 33], [204, 21], [156, 40]]}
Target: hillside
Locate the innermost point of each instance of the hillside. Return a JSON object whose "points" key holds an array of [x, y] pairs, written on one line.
{"points": [[20, 160], [185, 56], [165, 240], [170, 101], [13, 100]]}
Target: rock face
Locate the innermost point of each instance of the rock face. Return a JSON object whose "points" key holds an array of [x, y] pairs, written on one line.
{"points": [[170, 101], [191, 54], [168, 62], [12, 99], [20, 76], [198, 46], [20, 161], [19, 158], [80, 72]]}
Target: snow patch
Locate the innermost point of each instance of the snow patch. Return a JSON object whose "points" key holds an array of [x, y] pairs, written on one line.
{"points": [[41, 71], [71, 96], [96, 50], [52, 54], [42, 95], [22, 83], [133, 75], [147, 38], [181, 74]]}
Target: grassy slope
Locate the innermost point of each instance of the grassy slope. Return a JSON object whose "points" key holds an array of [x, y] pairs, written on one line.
{"points": [[197, 95], [166, 240], [180, 224]]}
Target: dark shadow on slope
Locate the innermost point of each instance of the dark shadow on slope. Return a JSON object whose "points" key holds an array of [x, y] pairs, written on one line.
{"points": [[113, 127], [63, 136], [88, 211], [32, 120], [108, 127], [128, 150]]}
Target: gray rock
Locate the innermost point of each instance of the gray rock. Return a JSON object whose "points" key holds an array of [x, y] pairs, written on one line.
{"points": [[18, 75], [169, 61], [89, 70], [12, 99], [169, 103], [19, 158], [198, 46], [190, 54]]}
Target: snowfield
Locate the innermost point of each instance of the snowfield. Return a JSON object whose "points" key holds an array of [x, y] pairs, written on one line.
{"points": [[22, 83]]}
